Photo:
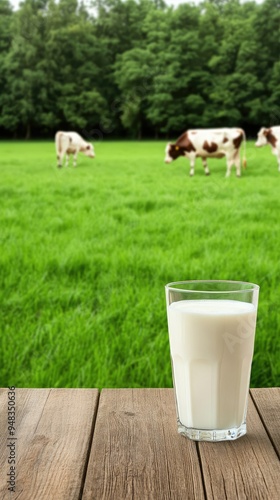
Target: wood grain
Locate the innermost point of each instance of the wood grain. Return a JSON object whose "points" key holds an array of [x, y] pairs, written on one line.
{"points": [[268, 405], [247, 468], [137, 452], [54, 431]]}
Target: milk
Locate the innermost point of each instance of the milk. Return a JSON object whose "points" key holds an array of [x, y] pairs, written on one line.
{"points": [[211, 343]]}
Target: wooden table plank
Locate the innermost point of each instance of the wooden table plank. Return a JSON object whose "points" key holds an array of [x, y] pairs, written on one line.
{"points": [[137, 452], [247, 468], [268, 405], [54, 431]]}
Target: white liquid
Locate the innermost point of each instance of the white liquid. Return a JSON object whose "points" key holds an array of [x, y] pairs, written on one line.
{"points": [[211, 343]]}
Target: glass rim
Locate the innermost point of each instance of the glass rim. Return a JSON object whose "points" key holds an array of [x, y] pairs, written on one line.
{"points": [[248, 286]]}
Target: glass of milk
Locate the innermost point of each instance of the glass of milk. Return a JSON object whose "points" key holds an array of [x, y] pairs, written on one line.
{"points": [[211, 326]]}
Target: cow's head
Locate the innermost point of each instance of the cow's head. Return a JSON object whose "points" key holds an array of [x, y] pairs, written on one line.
{"points": [[262, 137], [89, 150], [172, 152]]}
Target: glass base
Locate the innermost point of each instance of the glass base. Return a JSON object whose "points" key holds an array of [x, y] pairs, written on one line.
{"points": [[212, 435]]}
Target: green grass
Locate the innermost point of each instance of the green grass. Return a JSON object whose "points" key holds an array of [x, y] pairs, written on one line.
{"points": [[86, 252]]}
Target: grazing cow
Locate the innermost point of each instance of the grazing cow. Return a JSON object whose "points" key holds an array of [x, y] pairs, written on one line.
{"points": [[270, 136], [209, 143], [71, 143]]}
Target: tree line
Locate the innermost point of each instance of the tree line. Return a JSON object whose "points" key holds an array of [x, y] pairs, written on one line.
{"points": [[138, 68]]}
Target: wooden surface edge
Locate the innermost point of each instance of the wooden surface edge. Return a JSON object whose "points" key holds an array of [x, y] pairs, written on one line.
{"points": [[267, 403]]}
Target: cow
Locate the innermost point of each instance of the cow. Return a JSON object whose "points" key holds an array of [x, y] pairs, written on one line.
{"points": [[67, 143], [270, 136], [209, 143]]}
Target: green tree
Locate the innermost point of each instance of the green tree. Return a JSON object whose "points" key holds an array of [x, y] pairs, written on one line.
{"points": [[24, 78], [73, 66], [119, 24], [133, 77], [176, 98], [7, 120], [235, 88], [138, 66], [267, 35]]}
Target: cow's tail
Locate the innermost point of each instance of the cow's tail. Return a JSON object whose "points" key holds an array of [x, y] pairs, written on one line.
{"points": [[244, 160], [58, 137]]}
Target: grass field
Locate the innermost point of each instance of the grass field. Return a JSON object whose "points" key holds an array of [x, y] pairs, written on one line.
{"points": [[86, 252]]}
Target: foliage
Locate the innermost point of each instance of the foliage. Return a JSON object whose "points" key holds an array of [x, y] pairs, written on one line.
{"points": [[138, 67], [86, 252]]}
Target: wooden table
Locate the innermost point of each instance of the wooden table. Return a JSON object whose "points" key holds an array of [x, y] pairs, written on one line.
{"points": [[123, 444]]}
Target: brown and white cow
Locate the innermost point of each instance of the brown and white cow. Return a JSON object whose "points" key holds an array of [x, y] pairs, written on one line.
{"points": [[67, 143], [209, 143], [270, 136]]}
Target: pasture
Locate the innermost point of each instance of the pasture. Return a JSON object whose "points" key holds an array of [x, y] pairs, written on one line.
{"points": [[86, 252]]}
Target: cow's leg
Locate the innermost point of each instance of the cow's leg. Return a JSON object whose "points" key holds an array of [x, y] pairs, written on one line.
{"points": [[206, 169], [59, 160], [229, 165], [278, 158], [192, 163], [62, 147], [237, 163], [75, 159], [59, 155], [230, 162]]}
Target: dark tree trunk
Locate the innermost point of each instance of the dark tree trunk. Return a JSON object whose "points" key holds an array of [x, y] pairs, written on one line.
{"points": [[28, 131], [139, 134]]}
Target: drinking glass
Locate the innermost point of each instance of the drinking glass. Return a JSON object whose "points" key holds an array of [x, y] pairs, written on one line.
{"points": [[211, 326]]}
